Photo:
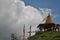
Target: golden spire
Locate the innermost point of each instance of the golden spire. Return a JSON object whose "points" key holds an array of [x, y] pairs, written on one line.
{"points": [[49, 19]]}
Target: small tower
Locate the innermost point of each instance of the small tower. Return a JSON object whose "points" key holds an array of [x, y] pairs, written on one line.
{"points": [[49, 21]]}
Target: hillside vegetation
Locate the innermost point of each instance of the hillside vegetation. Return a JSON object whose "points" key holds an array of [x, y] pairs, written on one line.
{"points": [[45, 36]]}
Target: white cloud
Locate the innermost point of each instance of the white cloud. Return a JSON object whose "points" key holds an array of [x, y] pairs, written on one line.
{"points": [[13, 14]]}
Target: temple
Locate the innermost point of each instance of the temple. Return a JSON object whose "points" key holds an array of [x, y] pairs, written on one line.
{"points": [[49, 25]]}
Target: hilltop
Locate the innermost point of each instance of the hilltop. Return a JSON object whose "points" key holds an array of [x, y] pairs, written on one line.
{"points": [[45, 36]]}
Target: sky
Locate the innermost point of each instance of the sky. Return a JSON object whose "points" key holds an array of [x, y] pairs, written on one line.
{"points": [[15, 13], [54, 5]]}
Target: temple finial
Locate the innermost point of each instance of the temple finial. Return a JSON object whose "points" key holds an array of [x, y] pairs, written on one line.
{"points": [[49, 12]]}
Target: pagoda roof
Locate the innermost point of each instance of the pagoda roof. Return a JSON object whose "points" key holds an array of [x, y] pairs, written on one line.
{"points": [[49, 19]]}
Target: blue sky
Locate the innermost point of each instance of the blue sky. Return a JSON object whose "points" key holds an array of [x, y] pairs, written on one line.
{"points": [[52, 4]]}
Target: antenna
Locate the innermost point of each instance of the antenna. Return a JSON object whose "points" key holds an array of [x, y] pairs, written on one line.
{"points": [[49, 11], [24, 32], [24, 37], [30, 31]]}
